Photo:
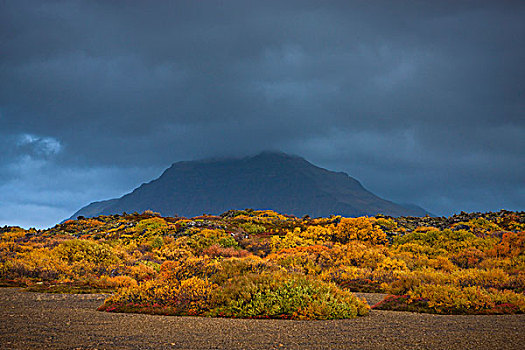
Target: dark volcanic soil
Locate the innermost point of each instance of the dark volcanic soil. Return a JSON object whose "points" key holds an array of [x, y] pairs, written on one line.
{"points": [[48, 321]]}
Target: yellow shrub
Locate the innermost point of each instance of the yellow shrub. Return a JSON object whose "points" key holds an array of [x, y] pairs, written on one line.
{"points": [[392, 265], [349, 229], [316, 234]]}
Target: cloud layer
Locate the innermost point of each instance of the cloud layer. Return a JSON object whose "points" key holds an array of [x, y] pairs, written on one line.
{"points": [[423, 102]]}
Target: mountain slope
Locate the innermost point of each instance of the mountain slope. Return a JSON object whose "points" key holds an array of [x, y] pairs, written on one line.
{"points": [[277, 181]]}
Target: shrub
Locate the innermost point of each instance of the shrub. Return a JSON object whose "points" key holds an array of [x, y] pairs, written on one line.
{"points": [[468, 258], [218, 251], [280, 295], [392, 266], [362, 229], [464, 300], [81, 250], [512, 245], [251, 228], [205, 238], [448, 299], [186, 297]]}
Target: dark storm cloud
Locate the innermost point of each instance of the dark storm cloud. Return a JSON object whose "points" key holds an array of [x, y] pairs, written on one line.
{"points": [[420, 100]]}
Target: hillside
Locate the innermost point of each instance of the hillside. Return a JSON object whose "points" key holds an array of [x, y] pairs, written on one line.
{"points": [[270, 180]]}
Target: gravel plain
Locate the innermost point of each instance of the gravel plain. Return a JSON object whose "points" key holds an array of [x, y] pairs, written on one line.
{"points": [[65, 321]]}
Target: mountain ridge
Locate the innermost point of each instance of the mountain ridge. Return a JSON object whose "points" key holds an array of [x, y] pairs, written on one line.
{"points": [[269, 180]]}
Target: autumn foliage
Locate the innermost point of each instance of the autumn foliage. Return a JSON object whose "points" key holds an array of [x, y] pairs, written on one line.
{"points": [[262, 264]]}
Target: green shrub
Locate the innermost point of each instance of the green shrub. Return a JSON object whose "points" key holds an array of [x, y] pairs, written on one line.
{"points": [[205, 238], [81, 250], [279, 295], [251, 228]]}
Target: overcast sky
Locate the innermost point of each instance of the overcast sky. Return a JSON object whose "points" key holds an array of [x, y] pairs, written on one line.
{"points": [[421, 101]]}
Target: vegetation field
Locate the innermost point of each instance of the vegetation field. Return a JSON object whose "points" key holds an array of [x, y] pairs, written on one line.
{"points": [[262, 264]]}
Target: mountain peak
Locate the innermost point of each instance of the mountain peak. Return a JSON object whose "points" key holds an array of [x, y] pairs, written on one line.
{"points": [[276, 154]]}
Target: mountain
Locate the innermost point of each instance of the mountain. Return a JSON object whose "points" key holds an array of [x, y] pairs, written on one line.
{"points": [[271, 180]]}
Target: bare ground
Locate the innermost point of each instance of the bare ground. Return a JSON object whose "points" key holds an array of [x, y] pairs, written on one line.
{"points": [[59, 321]]}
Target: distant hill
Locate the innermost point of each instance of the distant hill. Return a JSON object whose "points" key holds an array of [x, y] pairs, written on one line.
{"points": [[270, 180]]}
